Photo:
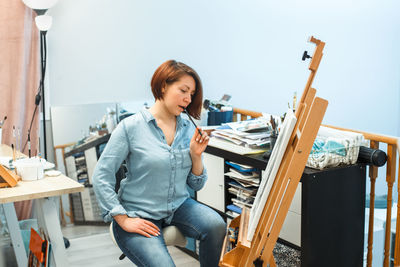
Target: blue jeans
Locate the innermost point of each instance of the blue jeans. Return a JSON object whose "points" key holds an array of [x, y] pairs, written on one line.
{"points": [[193, 220]]}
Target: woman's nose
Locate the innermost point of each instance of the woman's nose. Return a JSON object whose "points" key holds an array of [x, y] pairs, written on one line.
{"points": [[188, 98]]}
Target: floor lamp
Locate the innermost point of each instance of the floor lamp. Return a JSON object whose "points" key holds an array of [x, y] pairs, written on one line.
{"points": [[43, 22]]}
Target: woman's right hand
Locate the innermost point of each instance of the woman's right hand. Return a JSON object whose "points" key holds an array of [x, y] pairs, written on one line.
{"points": [[137, 225]]}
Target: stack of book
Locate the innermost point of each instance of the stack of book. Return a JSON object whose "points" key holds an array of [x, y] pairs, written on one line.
{"points": [[243, 185], [81, 169], [39, 250]]}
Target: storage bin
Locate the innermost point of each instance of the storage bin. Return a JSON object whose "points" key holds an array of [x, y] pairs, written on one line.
{"points": [[25, 226], [219, 117]]}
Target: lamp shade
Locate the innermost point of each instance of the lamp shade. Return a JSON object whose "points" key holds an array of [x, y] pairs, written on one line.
{"points": [[40, 4], [43, 22]]}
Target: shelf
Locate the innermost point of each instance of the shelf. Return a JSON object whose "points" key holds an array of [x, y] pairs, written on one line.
{"points": [[85, 146], [256, 160]]}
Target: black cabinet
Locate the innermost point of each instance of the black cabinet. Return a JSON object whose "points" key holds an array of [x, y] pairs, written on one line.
{"points": [[328, 224], [333, 214]]}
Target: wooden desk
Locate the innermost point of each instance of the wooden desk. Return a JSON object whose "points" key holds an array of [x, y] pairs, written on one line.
{"points": [[46, 211]]}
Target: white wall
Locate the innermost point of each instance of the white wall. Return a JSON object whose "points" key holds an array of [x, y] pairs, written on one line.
{"points": [[71, 123], [106, 51]]}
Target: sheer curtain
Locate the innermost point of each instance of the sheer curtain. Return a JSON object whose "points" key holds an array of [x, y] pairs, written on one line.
{"points": [[19, 78]]}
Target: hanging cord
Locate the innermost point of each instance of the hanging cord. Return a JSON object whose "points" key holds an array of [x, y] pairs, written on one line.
{"points": [[38, 97]]}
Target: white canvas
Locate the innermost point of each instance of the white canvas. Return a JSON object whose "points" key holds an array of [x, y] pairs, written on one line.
{"points": [[270, 172]]}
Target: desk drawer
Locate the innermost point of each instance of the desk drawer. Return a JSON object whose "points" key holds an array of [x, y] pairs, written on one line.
{"points": [[212, 194], [291, 229], [296, 202]]}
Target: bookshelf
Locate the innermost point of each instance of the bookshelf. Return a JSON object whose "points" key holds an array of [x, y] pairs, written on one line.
{"points": [[80, 164]]}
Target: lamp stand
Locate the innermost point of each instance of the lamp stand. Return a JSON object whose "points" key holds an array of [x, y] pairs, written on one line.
{"points": [[43, 55]]}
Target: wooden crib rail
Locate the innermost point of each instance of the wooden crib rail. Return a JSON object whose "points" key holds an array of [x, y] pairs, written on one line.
{"points": [[392, 146], [244, 114]]}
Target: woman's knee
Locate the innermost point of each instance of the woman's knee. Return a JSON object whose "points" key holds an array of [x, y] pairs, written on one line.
{"points": [[215, 226], [143, 251], [149, 256], [220, 227]]}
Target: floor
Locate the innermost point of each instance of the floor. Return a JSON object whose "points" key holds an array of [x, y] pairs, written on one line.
{"points": [[286, 256], [92, 246]]}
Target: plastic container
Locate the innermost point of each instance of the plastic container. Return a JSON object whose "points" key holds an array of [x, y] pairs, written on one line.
{"points": [[30, 169], [333, 148]]}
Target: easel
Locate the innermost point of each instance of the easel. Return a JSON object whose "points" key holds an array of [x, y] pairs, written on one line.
{"points": [[8, 178], [309, 116]]}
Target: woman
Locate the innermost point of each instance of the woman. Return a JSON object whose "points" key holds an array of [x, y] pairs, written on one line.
{"points": [[163, 155]]}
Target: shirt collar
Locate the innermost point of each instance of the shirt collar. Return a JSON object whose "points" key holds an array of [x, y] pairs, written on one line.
{"points": [[149, 117]]}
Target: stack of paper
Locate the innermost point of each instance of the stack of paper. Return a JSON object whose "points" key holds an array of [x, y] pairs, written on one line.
{"points": [[229, 146], [242, 187], [245, 179], [253, 140], [252, 134]]}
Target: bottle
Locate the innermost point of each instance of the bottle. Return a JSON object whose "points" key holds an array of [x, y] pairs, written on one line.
{"points": [[110, 121]]}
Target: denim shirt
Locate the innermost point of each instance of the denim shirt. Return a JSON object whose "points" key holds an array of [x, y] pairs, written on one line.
{"points": [[158, 174]]}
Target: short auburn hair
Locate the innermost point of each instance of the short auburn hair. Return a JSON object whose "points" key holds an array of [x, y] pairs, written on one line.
{"points": [[171, 71]]}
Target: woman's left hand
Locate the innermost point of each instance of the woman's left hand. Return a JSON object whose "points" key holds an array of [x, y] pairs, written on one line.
{"points": [[198, 143]]}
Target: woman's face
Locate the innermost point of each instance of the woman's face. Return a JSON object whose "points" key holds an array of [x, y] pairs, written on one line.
{"points": [[178, 95]]}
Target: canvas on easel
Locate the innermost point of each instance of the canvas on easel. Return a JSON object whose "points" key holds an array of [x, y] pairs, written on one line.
{"points": [[270, 172], [265, 221], [8, 178]]}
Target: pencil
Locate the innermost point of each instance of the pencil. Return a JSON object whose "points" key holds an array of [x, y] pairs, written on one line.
{"points": [[190, 118]]}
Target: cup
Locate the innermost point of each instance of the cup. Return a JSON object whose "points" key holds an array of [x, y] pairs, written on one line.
{"points": [[30, 169]]}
